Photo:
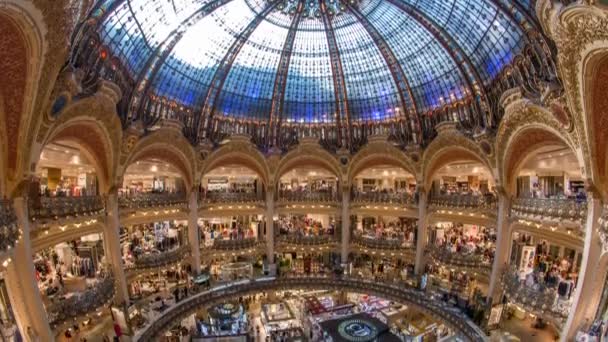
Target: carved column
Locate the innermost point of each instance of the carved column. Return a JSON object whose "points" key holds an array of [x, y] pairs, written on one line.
{"points": [[21, 284], [591, 276], [503, 246], [270, 228], [421, 236], [345, 242], [193, 234], [113, 252]]}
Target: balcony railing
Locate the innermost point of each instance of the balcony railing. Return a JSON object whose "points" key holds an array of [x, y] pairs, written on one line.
{"points": [[538, 298], [463, 201], [384, 244], [152, 200], [213, 197], [384, 198], [65, 207], [307, 196], [306, 240], [472, 261], [393, 291], [231, 245], [82, 303], [550, 209], [9, 230], [162, 259]]}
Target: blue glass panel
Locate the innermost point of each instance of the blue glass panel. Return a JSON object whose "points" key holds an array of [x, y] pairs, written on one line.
{"points": [[247, 92], [372, 94], [187, 72], [432, 73], [309, 93]]}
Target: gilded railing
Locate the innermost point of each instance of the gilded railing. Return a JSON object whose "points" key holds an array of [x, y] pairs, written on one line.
{"points": [[550, 209], [539, 297], [212, 197], [63, 207], [463, 201], [380, 243], [81, 303], [393, 291], [152, 200], [9, 229], [305, 240], [236, 244], [307, 196], [162, 259], [384, 198], [470, 260]]}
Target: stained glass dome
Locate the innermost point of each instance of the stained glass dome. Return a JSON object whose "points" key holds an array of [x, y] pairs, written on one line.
{"points": [[314, 61]]}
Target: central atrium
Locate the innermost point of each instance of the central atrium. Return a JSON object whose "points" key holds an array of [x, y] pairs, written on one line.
{"points": [[304, 170]]}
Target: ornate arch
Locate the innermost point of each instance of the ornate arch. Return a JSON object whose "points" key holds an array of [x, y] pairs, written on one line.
{"points": [[93, 124], [581, 35], [595, 119], [308, 154], [450, 147], [240, 152], [21, 58], [168, 145], [379, 153], [525, 128]]}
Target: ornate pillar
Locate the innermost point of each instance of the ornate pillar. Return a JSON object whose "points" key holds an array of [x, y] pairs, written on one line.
{"points": [[421, 236], [113, 253], [21, 284], [193, 235], [503, 246], [270, 228], [345, 241], [591, 276]]}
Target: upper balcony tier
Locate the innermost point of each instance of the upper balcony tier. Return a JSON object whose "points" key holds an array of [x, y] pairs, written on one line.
{"points": [[152, 200], [558, 212], [55, 208], [9, 230]]}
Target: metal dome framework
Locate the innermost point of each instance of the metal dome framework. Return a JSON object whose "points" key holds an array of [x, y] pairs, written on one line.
{"points": [[337, 70]]}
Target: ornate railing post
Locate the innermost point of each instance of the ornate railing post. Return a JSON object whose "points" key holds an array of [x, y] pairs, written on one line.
{"points": [[193, 233], [345, 241], [503, 244], [112, 247], [421, 236], [22, 286]]}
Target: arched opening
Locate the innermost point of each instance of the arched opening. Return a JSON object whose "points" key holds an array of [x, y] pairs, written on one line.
{"points": [[543, 175], [235, 195], [461, 249], [72, 172], [597, 116], [381, 188]]}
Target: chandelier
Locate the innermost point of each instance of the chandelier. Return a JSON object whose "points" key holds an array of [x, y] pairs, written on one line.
{"points": [[314, 8]]}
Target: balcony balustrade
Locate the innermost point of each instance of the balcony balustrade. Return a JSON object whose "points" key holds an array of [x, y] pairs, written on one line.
{"points": [[233, 245], [65, 207], [306, 240], [307, 196], [471, 261], [152, 200], [162, 259], [384, 198], [550, 209], [81, 303], [394, 291], [464, 201], [9, 229], [381, 243], [538, 298], [213, 197]]}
